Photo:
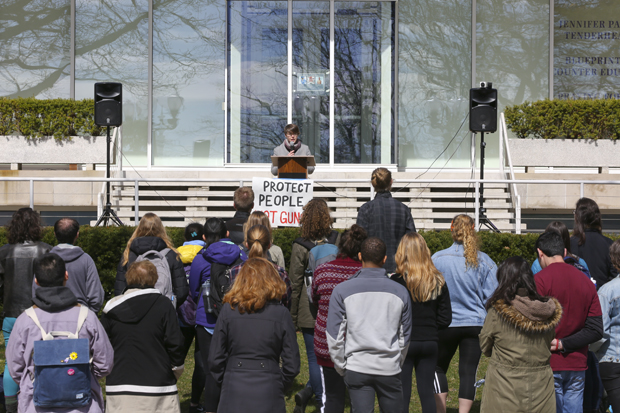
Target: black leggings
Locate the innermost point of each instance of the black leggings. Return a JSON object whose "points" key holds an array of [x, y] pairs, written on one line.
{"points": [[422, 355], [468, 343], [212, 389], [610, 375], [198, 379]]}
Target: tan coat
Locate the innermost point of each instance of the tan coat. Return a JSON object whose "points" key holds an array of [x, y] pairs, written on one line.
{"points": [[519, 377]]}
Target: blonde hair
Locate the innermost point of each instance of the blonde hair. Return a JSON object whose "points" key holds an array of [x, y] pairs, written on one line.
{"points": [[381, 179], [256, 218], [257, 283], [413, 261], [463, 233], [258, 241], [142, 273], [150, 226]]}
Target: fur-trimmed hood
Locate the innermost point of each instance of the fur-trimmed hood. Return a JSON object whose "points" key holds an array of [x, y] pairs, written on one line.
{"points": [[512, 316]]}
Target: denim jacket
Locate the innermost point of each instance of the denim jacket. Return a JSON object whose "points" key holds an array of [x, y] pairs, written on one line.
{"points": [[469, 288], [609, 296]]}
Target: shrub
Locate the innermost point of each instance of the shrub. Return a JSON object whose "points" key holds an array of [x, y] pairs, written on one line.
{"points": [[60, 118], [570, 119]]}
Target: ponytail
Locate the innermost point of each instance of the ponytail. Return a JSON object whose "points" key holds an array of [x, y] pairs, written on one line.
{"points": [[463, 233], [258, 240]]}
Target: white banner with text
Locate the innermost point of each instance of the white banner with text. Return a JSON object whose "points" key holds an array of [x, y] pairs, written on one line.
{"points": [[282, 200]]}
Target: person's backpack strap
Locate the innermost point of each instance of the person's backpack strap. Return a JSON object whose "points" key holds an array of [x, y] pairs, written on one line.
{"points": [[305, 243], [50, 335], [160, 254], [333, 237]]}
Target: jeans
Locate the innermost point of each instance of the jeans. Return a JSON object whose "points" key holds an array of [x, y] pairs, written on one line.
{"points": [[314, 370], [10, 387], [569, 387]]}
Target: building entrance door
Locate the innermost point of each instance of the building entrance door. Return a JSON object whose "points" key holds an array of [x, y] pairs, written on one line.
{"points": [[326, 66]]}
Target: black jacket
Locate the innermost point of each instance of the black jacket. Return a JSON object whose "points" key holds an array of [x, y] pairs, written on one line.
{"points": [[143, 244], [16, 267], [235, 226], [595, 252], [429, 317], [143, 329], [244, 359]]}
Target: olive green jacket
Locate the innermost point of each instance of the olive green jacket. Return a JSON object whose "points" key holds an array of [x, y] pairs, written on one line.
{"points": [[519, 377], [302, 310]]}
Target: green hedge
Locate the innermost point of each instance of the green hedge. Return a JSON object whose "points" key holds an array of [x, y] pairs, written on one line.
{"points": [[60, 118], [106, 245], [570, 119]]}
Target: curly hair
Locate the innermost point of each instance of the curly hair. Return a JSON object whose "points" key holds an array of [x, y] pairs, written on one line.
{"points": [[256, 284], [413, 261], [351, 242], [315, 221], [614, 253], [463, 233], [149, 226], [25, 225]]}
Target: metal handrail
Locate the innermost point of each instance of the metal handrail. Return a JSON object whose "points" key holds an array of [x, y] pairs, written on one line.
{"points": [[504, 146], [476, 182]]}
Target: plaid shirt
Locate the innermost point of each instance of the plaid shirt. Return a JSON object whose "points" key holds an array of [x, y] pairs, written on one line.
{"points": [[286, 298], [386, 218]]}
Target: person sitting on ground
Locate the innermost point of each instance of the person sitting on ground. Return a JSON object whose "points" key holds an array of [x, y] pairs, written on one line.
{"points": [[148, 346], [57, 309], [24, 234], [243, 202], [291, 146], [260, 218], [254, 355], [258, 241], [516, 336], [385, 217], [84, 281], [581, 324], [368, 332]]}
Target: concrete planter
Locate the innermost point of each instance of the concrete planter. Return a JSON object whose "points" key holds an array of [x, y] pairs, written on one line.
{"points": [[565, 152], [85, 150]]}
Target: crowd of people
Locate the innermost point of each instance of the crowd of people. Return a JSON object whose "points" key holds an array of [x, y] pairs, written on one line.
{"points": [[372, 303]]}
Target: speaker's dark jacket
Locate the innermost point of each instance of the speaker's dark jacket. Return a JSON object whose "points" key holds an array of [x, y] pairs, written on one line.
{"points": [[16, 267]]}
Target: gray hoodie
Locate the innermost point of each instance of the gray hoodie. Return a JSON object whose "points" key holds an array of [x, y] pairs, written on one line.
{"points": [[83, 276]]}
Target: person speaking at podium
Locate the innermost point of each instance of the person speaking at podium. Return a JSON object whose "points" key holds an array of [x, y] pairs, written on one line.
{"points": [[291, 146]]}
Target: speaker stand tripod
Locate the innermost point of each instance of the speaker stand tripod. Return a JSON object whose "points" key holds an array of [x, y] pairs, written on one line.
{"points": [[482, 215], [108, 214]]}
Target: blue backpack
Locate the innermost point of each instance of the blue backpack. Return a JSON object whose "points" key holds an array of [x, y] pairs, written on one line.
{"points": [[61, 367], [317, 255]]}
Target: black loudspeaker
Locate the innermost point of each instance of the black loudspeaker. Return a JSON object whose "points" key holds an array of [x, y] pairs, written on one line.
{"points": [[108, 104], [483, 108]]}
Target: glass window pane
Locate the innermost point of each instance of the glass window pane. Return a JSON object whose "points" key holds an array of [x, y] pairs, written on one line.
{"points": [[364, 44], [112, 46], [188, 82], [311, 76], [35, 40], [512, 52], [258, 87], [434, 78]]}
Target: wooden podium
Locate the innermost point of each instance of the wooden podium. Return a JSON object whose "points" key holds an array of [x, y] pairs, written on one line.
{"points": [[293, 167]]}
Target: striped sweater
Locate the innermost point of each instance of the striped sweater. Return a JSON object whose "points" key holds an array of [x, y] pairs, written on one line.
{"points": [[326, 277]]}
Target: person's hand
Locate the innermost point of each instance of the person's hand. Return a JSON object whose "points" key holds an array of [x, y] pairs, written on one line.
{"points": [[291, 153], [556, 345]]}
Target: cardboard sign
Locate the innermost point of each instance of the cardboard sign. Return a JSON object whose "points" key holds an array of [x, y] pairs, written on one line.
{"points": [[282, 200]]}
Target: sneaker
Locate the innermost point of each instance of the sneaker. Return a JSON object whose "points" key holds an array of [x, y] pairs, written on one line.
{"points": [[302, 398], [196, 409]]}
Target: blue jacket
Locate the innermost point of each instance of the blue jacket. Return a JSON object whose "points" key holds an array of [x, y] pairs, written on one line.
{"points": [[222, 252], [609, 346], [537, 268], [469, 288]]}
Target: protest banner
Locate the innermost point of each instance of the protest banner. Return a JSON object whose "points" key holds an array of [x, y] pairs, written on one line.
{"points": [[282, 200]]}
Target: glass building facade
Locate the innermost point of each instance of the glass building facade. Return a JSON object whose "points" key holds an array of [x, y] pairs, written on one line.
{"points": [[212, 83]]}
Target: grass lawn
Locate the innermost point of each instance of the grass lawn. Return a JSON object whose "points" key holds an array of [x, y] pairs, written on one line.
{"points": [[185, 383]]}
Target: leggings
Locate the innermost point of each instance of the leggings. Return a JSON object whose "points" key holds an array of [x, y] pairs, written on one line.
{"points": [[466, 339], [335, 390], [212, 389], [198, 378], [422, 355], [610, 375], [10, 387]]}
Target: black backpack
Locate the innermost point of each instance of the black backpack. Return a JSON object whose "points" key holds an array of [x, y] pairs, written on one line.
{"points": [[220, 285]]}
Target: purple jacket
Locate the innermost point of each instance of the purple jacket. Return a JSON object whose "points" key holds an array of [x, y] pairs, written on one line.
{"points": [[223, 252], [21, 346]]}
